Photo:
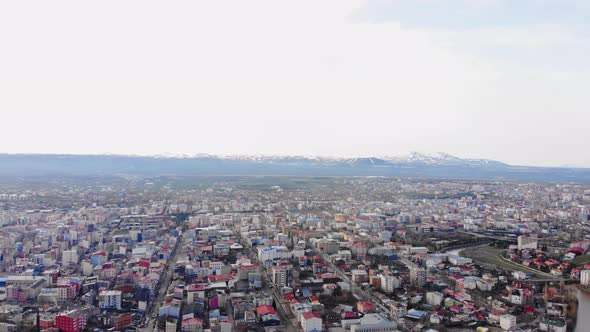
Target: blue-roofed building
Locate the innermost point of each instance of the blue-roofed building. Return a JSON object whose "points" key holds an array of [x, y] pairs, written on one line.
{"points": [[392, 257], [415, 314], [172, 309]]}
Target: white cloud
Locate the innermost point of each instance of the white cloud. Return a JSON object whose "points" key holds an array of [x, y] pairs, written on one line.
{"points": [[527, 37]]}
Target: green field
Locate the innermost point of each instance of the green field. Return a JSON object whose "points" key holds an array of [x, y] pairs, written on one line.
{"points": [[583, 259], [487, 255], [490, 256]]}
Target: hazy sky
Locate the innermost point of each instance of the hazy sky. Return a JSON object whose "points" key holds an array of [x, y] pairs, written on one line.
{"points": [[507, 80]]}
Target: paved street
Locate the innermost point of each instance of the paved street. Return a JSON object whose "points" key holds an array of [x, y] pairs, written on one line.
{"points": [[283, 310], [355, 289], [154, 307]]}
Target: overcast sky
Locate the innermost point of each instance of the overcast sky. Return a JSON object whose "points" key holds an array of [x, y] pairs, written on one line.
{"points": [[506, 80]]}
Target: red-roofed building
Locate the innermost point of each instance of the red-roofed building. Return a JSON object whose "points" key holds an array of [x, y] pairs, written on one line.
{"points": [[192, 325], [585, 245], [359, 249], [194, 292], [365, 307], [327, 275], [280, 276], [73, 321], [144, 263], [575, 273], [219, 278], [577, 251], [319, 268], [265, 310], [122, 321], [311, 322], [349, 315], [243, 270], [46, 322]]}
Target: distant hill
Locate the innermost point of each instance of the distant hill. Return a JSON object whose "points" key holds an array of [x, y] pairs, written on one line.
{"points": [[439, 165], [441, 158]]}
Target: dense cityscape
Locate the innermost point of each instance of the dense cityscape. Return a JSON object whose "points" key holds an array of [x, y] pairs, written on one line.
{"points": [[295, 166], [358, 254]]}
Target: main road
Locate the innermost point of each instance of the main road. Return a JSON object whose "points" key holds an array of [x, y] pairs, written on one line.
{"points": [[358, 291], [285, 314], [151, 315]]}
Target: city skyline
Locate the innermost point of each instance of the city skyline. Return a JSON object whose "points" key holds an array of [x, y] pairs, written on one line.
{"points": [[476, 79]]}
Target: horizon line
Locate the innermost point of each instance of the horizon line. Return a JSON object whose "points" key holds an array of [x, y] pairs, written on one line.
{"points": [[169, 155]]}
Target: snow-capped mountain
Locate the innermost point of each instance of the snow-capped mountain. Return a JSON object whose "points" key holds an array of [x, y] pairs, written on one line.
{"points": [[440, 158], [412, 158], [183, 155], [414, 165], [366, 162]]}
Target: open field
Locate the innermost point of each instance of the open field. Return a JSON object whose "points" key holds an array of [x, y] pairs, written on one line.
{"points": [[490, 256], [487, 255], [581, 259]]}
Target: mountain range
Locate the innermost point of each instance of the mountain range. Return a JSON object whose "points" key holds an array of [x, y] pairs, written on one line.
{"points": [[438, 158], [415, 165]]}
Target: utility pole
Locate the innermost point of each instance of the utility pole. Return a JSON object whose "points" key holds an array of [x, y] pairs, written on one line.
{"points": [[38, 321]]}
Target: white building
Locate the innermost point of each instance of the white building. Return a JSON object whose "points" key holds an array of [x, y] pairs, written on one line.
{"points": [[380, 251], [485, 285], [171, 325], [458, 260], [69, 257], [215, 267], [507, 321], [298, 252], [519, 275], [418, 277], [434, 298], [389, 283], [110, 299], [272, 253], [527, 242], [398, 309], [345, 254], [585, 278], [280, 276], [374, 323], [417, 250], [87, 268], [552, 326], [359, 276], [311, 322]]}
